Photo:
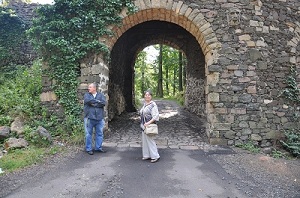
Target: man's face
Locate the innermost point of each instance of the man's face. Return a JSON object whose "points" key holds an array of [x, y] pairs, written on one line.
{"points": [[92, 89]]}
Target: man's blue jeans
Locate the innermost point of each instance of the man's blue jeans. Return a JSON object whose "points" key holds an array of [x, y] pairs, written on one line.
{"points": [[89, 125]]}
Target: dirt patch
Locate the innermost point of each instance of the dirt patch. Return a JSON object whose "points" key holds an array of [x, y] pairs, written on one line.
{"points": [[269, 177]]}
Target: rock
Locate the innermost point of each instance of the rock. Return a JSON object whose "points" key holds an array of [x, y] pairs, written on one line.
{"points": [[245, 98], [254, 55], [256, 137], [12, 143], [4, 132], [268, 150], [17, 126], [243, 124], [274, 135], [230, 135], [43, 133]]}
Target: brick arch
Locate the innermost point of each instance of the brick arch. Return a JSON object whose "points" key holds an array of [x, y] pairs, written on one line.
{"points": [[178, 13]]}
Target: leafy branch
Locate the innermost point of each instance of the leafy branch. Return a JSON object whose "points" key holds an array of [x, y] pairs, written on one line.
{"points": [[67, 32]]}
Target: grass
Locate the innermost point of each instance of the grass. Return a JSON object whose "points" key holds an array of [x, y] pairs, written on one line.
{"points": [[21, 158], [249, 146]]}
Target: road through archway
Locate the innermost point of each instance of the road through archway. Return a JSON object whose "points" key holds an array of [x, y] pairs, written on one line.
{"points": [[178, 128]]}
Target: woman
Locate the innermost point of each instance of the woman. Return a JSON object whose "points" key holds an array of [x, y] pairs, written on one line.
{"points": [[149, 115]]}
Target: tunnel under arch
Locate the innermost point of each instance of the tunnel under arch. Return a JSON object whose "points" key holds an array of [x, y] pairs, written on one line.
{"points": [[125, 50]]}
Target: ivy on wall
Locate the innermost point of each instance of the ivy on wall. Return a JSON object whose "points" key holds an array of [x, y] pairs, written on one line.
{"points": [[12, 35], [292, 94], [68, 31]]}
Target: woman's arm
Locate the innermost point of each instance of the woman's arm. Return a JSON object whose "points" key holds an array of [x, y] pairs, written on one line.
{"points": [[154, 115]]}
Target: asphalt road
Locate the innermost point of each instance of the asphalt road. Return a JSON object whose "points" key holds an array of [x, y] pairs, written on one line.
{"points": [[121, 173]]}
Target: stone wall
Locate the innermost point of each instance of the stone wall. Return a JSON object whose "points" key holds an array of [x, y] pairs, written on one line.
{"points": [[26, 13], [258, 49], [248, 47]]}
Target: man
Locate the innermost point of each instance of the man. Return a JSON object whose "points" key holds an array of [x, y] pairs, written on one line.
{"points": [[94, 103]]}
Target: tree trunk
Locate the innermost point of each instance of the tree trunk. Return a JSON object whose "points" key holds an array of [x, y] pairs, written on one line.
{"points": [[184, 72], [174, 81], [160, 75], [167, 79], [180, 88]]}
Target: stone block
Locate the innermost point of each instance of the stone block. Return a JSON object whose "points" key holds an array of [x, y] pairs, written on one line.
{"points": [[246, 131], [218, 141], [245, 98], [256, 137], [189, 147], [48, 96], [262, 65], [213, 97], [238, 111], [243, 124], [238, 73], [230, 135], [251, 73], [254, 23], [222, 126], [215, 68], [274, 135], [251, 89], [244, 79], [213, 78], [221, 110], [252, 125], [254, 55], [245, 37]]}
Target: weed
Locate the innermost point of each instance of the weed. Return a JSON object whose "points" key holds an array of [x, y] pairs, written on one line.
{"points": [[249, 146]]}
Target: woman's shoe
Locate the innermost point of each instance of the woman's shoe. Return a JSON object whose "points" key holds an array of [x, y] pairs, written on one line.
{"points": [[146, 158], [154, 160]]}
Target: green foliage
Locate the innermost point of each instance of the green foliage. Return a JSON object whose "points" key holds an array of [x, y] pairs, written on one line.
{"points": [[21, 158], [146, 73], [20, 95], [292, 94], [12, 36], [278, 154], [292, 142], [249, 146], [5, 120], [69, 31]]}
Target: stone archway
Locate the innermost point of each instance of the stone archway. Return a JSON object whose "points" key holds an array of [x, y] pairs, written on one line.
{"points": [[188, 23], [195, 24], [123, 57]]}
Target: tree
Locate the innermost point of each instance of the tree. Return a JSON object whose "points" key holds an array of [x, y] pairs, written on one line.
{"points": [[160, 92], [180, 88]]}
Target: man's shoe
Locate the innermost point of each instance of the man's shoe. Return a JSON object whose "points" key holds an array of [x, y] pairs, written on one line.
{"points": [[90, 152], [100, 151]]}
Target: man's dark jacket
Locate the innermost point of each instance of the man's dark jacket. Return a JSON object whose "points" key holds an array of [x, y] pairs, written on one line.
{"points": [[93, 107]]}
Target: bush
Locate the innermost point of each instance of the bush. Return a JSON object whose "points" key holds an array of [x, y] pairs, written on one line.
{"points": [[20, 92], [292, 143]]}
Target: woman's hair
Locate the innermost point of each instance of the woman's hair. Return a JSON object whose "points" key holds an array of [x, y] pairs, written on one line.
{"points": [[148, 91]]}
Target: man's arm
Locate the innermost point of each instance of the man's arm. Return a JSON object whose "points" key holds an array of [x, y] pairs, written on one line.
{"points": [[90, 100], [101, 100]]}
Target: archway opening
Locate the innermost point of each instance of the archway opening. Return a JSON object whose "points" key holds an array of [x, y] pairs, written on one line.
{"points": [[123, 58], [161, 69]]}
